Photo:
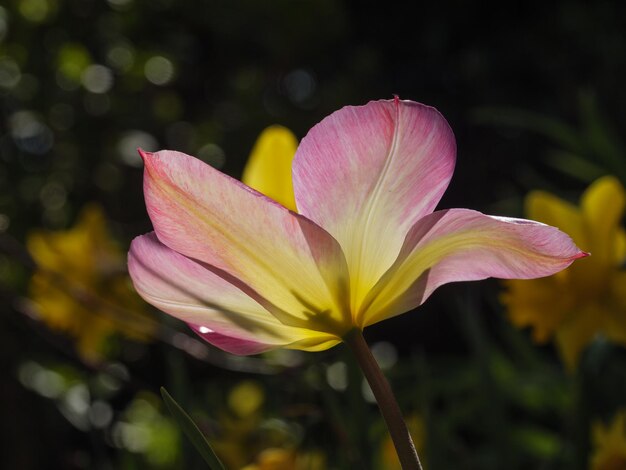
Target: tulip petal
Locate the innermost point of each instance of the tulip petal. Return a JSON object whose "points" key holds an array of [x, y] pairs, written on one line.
{"points": [[367, 174], [269, 167], [297, 268], [214, 305], [465, 245]]}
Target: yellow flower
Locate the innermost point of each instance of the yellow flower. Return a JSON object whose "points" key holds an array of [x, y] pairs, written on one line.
{"points": [[288, 459], [243, 439], [238, 424], [81, 287], [269, 167], [588, 298], [274, 459], [609, 444]]}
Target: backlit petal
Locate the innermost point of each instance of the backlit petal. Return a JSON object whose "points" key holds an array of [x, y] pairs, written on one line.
{"points": [[367, 174], [269, 167], [465, 245], [214, 305], [296, 267]]}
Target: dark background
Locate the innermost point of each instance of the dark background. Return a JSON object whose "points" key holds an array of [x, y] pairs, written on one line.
{"points": [[238, 66]]}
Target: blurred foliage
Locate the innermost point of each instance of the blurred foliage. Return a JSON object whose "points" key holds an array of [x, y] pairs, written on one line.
{"points": [[584, 152], [534, 94]]}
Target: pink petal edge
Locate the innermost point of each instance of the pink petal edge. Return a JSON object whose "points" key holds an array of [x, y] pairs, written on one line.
{"points": [[367, 173], [478, 246], [192, 292], [293, 264]]}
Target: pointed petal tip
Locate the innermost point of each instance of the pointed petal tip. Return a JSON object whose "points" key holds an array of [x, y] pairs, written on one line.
{"points": [[581, 254], [143, 154]]}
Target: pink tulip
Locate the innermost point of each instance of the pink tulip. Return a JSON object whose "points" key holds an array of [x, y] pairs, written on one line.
{"points": [[250, 275]]}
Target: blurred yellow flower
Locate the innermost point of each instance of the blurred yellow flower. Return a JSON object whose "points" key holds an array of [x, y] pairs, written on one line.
{"points": [[274, 459], [246, 399], [609, 444], [269, 167], [248, 442], [288, 459], [238, 422], [389, 457], [81, 286], [589, 297]]}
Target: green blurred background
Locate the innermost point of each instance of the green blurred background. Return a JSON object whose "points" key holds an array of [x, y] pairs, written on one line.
{"points": [[534, 92]]}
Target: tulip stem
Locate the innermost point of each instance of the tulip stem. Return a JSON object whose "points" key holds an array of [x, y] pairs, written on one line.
{"points": [[386, 400]]}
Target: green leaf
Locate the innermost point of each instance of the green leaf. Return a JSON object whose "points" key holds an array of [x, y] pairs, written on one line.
{"points": [[192, 432]]}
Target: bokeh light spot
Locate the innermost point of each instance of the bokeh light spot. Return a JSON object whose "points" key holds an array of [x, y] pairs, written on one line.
{"points": [[121, 57], [100, 414], [299, 85], [366, 391], [246, 398], [213, 155], [53, 195], [97, 78], [133, 140], [385, 353], [159, 70], [120, 5], [29, 133], [36, 11], [337, 376], [9, 73], [45, 382], [75, 406], [72, 60], [77, 399], [4, 23], [5, 222]]}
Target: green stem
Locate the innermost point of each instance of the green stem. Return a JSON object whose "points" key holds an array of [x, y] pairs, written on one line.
{"points": [[386, 400]]}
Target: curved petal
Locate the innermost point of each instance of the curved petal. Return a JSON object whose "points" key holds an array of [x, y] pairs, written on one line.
{"points": [[465, 245], [245, 347], [367, 174], [296, 267], [269, 167], [214, 305]]}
